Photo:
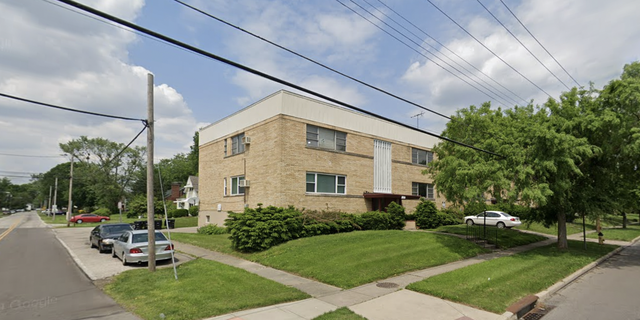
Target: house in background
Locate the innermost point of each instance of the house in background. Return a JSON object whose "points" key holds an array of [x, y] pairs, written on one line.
{"points": [[289, 149], [189, 194]]}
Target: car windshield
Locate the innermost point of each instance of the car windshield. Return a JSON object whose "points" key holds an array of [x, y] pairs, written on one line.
{"points": [[117, 228], [144, 237]]}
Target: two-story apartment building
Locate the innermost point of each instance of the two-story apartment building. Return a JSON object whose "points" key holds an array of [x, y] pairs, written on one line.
{"points": [[289, 149]]}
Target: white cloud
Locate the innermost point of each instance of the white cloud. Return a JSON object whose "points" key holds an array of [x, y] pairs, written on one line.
{"points": [[56, 56]]}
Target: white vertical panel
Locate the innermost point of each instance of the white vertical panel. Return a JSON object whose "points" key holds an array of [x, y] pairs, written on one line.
{"points": [[381, 166]]}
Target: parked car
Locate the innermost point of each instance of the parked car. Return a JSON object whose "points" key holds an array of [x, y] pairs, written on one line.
{"points": [[88, 217], [494, 218], [102, 236], [133, 247]]}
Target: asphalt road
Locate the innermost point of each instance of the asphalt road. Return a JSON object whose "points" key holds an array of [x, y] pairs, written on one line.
{"points": [[610, 291], [39, 280]]}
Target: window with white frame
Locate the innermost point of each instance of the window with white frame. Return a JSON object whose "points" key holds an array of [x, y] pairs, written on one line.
{"points": [[326, 183], [326, 138], [422, 189], [421, 156], [225, 147], [236, 189], [236, 144], [225, 187]]}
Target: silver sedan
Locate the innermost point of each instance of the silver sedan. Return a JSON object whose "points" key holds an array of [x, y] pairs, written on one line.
{"points": [[133, 247], [494, 218]]}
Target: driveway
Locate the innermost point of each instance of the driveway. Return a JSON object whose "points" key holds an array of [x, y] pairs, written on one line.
{"points": [[100, 265]]}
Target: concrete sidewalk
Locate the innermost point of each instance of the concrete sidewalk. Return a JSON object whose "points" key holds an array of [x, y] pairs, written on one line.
{"points": [[383, 299]]}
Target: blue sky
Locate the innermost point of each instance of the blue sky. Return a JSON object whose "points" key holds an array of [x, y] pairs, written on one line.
{"points": [[53, 55]]}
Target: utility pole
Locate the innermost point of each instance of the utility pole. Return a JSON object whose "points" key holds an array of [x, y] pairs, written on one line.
{"points": [[55, 195], [49, 204], [417, 116], [150, 207], [70, 205]]}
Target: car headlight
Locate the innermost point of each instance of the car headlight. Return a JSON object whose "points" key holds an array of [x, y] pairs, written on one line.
{"points": [[107, 241]]}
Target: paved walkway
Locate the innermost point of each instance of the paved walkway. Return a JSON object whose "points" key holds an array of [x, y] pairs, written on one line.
{"points": [[384, 299]]}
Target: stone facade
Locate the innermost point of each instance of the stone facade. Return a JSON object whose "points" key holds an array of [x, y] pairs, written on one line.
{"points": [[278, 158]]}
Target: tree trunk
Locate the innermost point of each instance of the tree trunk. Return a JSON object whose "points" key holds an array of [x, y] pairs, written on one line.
{"points": [[624, 220], [598, 226], [562, 231]]}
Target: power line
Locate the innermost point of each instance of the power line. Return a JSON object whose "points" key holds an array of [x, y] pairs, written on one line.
{"points": [[482, 44], [28, 156], [522, 44], [18, 172], [453, 52], [256, 72], [410, 47], [67, 109], [545, 49], [309, 59]]}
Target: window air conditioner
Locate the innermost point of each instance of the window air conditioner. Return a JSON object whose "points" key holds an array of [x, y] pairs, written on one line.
{"points": [[243, 183], [246, 140]]}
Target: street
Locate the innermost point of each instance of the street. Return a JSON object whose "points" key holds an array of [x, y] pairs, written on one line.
{"points": [[39, 280], [609, 291]]}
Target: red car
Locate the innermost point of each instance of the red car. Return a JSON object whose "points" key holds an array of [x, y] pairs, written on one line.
{"points": [[88, 217]]}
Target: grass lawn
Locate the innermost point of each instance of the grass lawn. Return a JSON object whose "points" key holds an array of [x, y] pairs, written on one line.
{"points": [[340, 314], [572, 228], [507, 238], [496, 284], [350, 259], [632, 232], [186, 222], [204, 289]]}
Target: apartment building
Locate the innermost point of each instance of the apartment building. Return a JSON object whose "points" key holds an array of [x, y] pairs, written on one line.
{"points": [[289, 149]]}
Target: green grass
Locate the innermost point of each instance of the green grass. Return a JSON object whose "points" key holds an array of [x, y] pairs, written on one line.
{"points": [[186, 222], [219, 243], [204, 289], [340, 314], [632, 232], [496, 284], [572, 228], [507, 238]]}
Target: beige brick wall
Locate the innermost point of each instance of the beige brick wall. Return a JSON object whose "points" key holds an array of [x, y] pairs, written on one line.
{"points": [[276, 163]]}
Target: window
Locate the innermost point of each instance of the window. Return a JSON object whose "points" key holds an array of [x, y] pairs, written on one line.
{"points": [[236, 144], [225, 147], [225, 187], [422, 189], [236, 189], [421, 156], [326, 183], [326, 138]]}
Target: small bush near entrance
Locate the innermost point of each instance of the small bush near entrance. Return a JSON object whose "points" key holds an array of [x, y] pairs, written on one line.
{"points": [[194, 210], [212, 229], [397, 216], [428, 217], [178, 213]]}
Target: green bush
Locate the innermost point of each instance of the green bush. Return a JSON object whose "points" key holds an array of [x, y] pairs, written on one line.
{"points": [[397, 215], [178, 213], [428, 217], [212, 229], [102, 212], [411, 216], [262, 228], [194, 210], [374, 220]]}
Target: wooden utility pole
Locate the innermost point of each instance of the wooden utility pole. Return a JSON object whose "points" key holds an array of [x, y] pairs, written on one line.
{"points": [[55, 197], [70, 204], [49, 204], [150, 207]]}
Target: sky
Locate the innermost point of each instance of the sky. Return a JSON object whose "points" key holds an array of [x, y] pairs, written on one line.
{"points": [[443, 55]]}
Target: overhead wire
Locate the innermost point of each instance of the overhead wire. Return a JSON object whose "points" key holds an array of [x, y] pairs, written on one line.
{"points": [[309, 59], [487, 48], [498, 93], [410, 47], [451, 51], [522, 44], [543, 47], [258, 73], [29, 156]]}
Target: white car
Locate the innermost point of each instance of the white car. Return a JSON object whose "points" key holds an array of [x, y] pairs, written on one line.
{"points": [[494, 218], [133, 247]]}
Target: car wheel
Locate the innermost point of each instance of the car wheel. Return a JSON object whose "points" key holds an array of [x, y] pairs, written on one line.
{"points": [[124, 260], [79, 221], [469, 222], [102, 220], [500, 225], [113, 253]]}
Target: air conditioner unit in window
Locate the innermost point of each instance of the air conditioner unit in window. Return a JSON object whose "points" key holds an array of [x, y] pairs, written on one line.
{"points": [[246, 140], [243, 183]]}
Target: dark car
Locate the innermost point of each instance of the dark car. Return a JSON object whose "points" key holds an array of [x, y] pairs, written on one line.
{"points": [[103, 235]]}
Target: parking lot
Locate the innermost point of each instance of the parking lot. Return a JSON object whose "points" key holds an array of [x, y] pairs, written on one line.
{"points": [[100, 265]]}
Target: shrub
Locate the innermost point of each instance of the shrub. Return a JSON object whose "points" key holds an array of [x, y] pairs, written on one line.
{"points": [[178, 213], [212, 229], [397, 216], [194, 210], [102, 212], [428, 217], [374, 220], [411, 216], [262, 228]]}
